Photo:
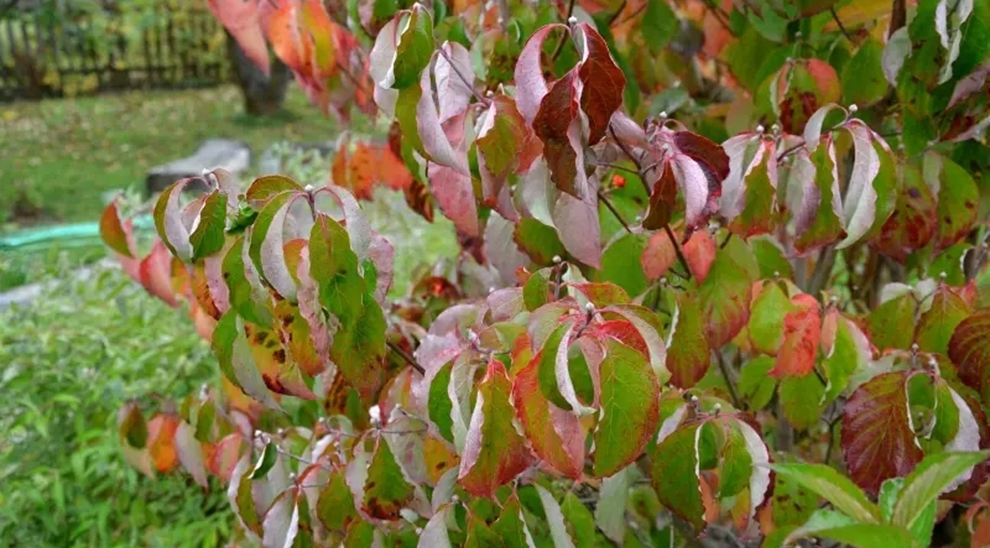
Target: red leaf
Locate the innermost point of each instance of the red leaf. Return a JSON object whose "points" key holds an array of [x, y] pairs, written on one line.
{"points": [[603, 82], [663, 198], [557, 124], [161, 442], [494, 452], [531, 86], [969, 350], [624, 332], [555, 435], [155, 274], [877, 440], [455, 196], [224, 456], [802, 334], [241, 19], [703, 150], [113, 232]]}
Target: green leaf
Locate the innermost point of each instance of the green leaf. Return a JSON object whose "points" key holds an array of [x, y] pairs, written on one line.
{"points": [[958, 199], [555, 519], [539, 241], [770, 257], [850, 352], [755, 385], [922, 528], [630, 408], [579, 521], [658, 25], [132, 426], [234, 355], [862, 82], [415, 47], [439, 404], [833, 487], [547, 373], [610, 512], [208, 238], [887, 322], [621, 266], [479, 535], [536, 292], [766, 322], [870, 535], [168, 221], [335, 505], [265, 462], [792, 503], [823, 225], [935, 327], [334, 267], [358, 349], [242, 292], [933, 476], [674, 479], [386, 490], [510, 526], [801, 398], [688, 353]]}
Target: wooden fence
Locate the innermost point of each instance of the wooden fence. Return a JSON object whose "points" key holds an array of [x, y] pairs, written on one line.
{"points": [[44, 53]]}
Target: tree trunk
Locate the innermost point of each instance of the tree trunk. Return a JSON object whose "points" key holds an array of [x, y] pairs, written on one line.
{"points": [[263, 95]]}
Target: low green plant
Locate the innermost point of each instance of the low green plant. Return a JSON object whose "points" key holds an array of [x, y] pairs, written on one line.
{"points": [[67, 364]]}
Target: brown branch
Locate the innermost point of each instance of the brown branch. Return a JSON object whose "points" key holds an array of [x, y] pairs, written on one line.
{"points": [[728, 379], [405, 357], [790, 151], [615, 15], [615, 212], [677, 250], [842, 27], [614, 166], [898, 17], [463, 78], [563, 39]]}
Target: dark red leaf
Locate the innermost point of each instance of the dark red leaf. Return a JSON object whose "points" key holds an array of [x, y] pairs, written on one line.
{"points": [[603, 83]]}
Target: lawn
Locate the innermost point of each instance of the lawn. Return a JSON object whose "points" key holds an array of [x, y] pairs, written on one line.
{"points": [[58, 158]]}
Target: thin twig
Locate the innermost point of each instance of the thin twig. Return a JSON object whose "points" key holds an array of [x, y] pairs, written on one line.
{"points": [[831, 439], [615, 166], [463, 78], [608, 204], [677, 250], [618, 12], [728, 379], [842, 27], [822, 270], [789, 151], [563, 39], [406, 357]]}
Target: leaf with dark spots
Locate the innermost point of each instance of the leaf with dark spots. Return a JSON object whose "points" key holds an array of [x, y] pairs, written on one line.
{"points": [[558, 126], [877, 440], [913, 222], [386, 490], [603, 81]]}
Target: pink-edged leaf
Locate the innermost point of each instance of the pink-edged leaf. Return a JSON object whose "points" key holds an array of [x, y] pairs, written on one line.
{"points": [[217, 286], [696, 185], [190, 452], [558, 125], [578, 227], [242, 19], [501, 140], [688, 353], [267, 244], [436, 143], [877, 440], [169, 223], [860, 200], [744, 154], [603, 81], [603, 293], [451, 70], [969, 350], [630, 408], [224, 457], [819, 219], [281, 521], [494, 452], [455, 196], [624, 332], [382, 255], [531, 86], [555, 435], [802, 336]]}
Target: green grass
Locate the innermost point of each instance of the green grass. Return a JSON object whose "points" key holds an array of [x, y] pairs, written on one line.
{"points": [[67, 364], [58, 158]]}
